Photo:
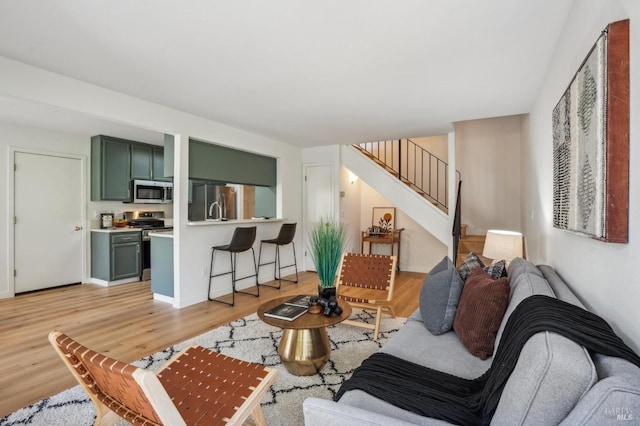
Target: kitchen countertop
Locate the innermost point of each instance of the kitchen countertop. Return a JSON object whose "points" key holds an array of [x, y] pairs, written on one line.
{"points": [[110, 230], [232, 222]]}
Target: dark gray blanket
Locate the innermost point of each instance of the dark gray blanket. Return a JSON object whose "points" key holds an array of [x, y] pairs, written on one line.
{"points": [[443, 396]]}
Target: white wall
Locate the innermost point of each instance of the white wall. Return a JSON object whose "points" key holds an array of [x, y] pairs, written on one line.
{"points": [[488, 157], [350, 208], [602, 274], [40, 86]]}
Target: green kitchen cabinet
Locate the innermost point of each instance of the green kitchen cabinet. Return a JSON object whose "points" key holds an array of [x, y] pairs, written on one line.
{"points": [[116, 255], [110, 168], [115, 162], [141, 161], [158, 164]]}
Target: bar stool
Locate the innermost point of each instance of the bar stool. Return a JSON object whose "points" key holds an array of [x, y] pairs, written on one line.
{"points": [[285, 236], [242, 240]]}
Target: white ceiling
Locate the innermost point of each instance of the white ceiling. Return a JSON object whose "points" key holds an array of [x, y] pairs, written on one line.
{"points": [[303, 72]]}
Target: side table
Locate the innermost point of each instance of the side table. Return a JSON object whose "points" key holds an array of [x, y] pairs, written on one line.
{"points": [[390, 238], [304, 347]]}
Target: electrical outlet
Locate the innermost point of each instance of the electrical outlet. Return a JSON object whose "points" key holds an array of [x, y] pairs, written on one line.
{"points": [[204, 271]]}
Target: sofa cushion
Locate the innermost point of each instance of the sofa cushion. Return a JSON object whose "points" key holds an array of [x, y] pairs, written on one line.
{"points": [[439, 297], [552, 374], [413, 342], [482, 305]]}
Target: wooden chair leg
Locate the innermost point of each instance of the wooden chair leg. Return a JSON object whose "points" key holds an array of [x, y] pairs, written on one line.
{"points": [[104, 416], [378, 319], [258, 416]]}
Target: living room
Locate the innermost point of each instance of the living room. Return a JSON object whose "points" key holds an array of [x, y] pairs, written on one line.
{"points": [[601, 274]]}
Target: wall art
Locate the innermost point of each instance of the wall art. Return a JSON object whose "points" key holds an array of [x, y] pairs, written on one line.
{"points": [[591, 142]]}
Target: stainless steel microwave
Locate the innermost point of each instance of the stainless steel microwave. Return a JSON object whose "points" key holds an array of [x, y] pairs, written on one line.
{"points": [[151, 192]]}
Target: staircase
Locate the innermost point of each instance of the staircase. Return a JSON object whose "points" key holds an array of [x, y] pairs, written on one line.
{"points": [[421, 209], [420, 170], [468, 244]]}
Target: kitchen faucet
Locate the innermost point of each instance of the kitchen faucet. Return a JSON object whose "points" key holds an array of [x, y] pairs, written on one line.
{"points": [[215, 204]]}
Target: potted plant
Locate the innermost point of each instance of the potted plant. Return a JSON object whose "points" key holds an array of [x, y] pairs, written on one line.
{"points": [[327, 240]]}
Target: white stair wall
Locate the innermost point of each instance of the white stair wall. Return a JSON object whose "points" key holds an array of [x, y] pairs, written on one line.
{"points": [[419, 209]]}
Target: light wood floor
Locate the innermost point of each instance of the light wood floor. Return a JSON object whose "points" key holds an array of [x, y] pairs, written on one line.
{"points": [[122, 321]]}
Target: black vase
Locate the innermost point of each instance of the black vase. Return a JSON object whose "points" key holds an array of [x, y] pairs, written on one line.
{"points": [[326, 292]]}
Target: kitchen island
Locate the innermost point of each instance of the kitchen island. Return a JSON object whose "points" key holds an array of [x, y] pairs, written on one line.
{"points": [[162, 265]]}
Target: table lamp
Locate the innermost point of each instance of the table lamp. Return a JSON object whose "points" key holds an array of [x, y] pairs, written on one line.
{"points": [[500, 244]]}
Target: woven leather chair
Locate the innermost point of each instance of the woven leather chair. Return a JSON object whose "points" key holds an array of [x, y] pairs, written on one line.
{"points": [[241, 241], [366, 281], [285, 237], [198, 386]]}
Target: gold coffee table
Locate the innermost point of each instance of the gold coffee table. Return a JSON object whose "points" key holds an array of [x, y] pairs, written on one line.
{"points": [[304, 347]]}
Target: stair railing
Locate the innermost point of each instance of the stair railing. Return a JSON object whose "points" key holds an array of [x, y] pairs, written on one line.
{"points": [[457, 224], [423, 171]]}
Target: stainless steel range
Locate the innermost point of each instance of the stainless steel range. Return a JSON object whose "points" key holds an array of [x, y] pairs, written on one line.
{"points": [[147, 221]]}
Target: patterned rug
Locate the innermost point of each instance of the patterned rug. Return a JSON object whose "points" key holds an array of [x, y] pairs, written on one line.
{"points": [[251, 340]]}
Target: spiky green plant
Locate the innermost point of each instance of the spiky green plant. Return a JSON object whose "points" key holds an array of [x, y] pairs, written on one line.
{"points": [[327, 240]]}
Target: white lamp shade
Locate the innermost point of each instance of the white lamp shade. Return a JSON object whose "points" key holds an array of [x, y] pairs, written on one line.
{"points": [[500, 245]]}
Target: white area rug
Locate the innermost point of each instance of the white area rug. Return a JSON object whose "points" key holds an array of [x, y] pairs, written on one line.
{"points": [[248, 339]]}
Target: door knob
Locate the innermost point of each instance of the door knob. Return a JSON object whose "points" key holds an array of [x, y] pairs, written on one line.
{"points": [[77, 228]]}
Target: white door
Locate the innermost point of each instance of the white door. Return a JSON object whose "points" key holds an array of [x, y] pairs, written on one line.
{"points": [[319, 195], [48, 221]]}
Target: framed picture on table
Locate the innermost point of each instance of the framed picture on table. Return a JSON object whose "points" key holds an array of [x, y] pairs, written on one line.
{"points": [[384, 218]]}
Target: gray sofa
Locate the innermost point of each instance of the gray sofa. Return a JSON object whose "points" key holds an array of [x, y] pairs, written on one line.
{"points": [[556, 381]]}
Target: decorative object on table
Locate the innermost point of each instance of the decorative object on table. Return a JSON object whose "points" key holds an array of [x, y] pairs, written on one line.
{"points": [[314, 306], [120, 223], [286, 312], [302, 300], [384, 218], [327, 240], [329, 306], [366, 281], [106, 220], [591, 143], [507, 245]]}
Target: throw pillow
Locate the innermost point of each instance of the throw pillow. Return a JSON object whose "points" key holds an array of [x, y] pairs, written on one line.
{"points": [[496, 269], [439, 297], [482, 305], [469, 265]]}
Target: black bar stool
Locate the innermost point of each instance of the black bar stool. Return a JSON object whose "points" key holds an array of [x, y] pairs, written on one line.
{"points": [[242, 240], [285, 236]]}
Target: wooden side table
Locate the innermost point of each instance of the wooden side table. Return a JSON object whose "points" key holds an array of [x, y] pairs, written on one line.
{"points": [[390, 238], [304, 347]]}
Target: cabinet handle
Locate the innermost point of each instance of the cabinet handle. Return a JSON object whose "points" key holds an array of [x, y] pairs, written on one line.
{"points": [[127, 238], [138, 248]]}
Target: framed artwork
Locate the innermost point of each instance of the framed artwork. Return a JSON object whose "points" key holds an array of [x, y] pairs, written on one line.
{"points": [[384, 218], [106, 220], [591, 142]]}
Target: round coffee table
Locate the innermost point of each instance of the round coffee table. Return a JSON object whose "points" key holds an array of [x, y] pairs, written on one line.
{"points": [[304, 347]]}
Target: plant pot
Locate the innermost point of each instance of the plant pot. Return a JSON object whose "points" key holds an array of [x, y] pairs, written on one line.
{"points": [[326, 292]]}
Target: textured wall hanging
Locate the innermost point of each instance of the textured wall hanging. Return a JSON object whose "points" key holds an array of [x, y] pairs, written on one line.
{"points": [[591, 142]]}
